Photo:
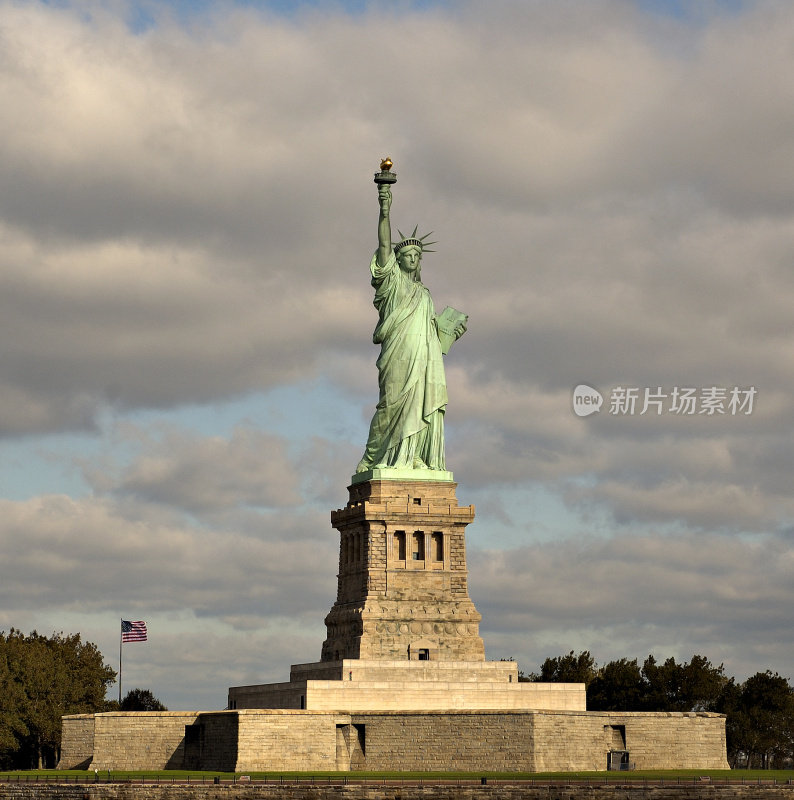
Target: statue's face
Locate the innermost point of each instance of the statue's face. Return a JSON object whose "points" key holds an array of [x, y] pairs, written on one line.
{"points": [[409, 259]]}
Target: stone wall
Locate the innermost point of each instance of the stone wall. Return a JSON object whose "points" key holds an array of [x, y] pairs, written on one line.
{"points": [[510, 741], [288, 740], [682, 741], [268, 695], [138, 740], [21, 791], [77, 742], [263, 740], [454, 741], [442, 695], [354, 669], [537, 741], [212, 742], [654, 740], [354, 686]]}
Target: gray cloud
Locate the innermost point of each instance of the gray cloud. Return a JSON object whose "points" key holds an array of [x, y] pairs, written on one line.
{"points": [[227, 244], [637, 594], [138, 558], [203, 475]]}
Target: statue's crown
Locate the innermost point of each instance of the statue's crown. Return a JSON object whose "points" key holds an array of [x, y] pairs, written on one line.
{"points": [[407, 241]]}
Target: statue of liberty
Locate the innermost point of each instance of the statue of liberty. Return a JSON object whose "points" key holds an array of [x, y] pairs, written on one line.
{"points": [[407, 430]]}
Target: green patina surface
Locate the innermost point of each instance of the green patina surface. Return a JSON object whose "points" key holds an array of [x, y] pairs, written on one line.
{"points": [[407, 430], [403, 474]]}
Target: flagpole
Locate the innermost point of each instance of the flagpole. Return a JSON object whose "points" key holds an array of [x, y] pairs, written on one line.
{"points": [[121, 639]]}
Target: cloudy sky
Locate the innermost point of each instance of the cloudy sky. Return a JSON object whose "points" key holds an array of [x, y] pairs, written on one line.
{"points": [[187, 215]]}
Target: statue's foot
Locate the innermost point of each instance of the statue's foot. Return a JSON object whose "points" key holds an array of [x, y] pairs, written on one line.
{"points": [[419, 464], [363, 466]]}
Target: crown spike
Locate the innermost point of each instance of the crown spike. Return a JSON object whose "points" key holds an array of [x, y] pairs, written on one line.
{"points": [[412, 240]]}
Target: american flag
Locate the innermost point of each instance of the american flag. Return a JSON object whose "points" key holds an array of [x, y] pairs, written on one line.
{"points": [[133, 631]]}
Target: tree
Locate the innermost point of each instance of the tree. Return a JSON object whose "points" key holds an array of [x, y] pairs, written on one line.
{"points": [[759, 713], [568, 669], [702, 685], [141, 700], [618, 687], [761, 724], [12, 725], [696, 686], [42, 679]]}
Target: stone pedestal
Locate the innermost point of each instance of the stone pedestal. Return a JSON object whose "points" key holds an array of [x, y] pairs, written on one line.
{"points": [[402, 591], [403, 634]]}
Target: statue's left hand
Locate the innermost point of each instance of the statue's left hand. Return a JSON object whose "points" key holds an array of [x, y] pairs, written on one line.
{"points": [[460, 329]]}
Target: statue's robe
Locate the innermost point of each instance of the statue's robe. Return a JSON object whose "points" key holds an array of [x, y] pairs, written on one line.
{"points": [[407, 430]]}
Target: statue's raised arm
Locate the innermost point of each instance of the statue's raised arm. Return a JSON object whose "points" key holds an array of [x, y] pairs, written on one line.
{"points": [[384, 225], [406, 436]]}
